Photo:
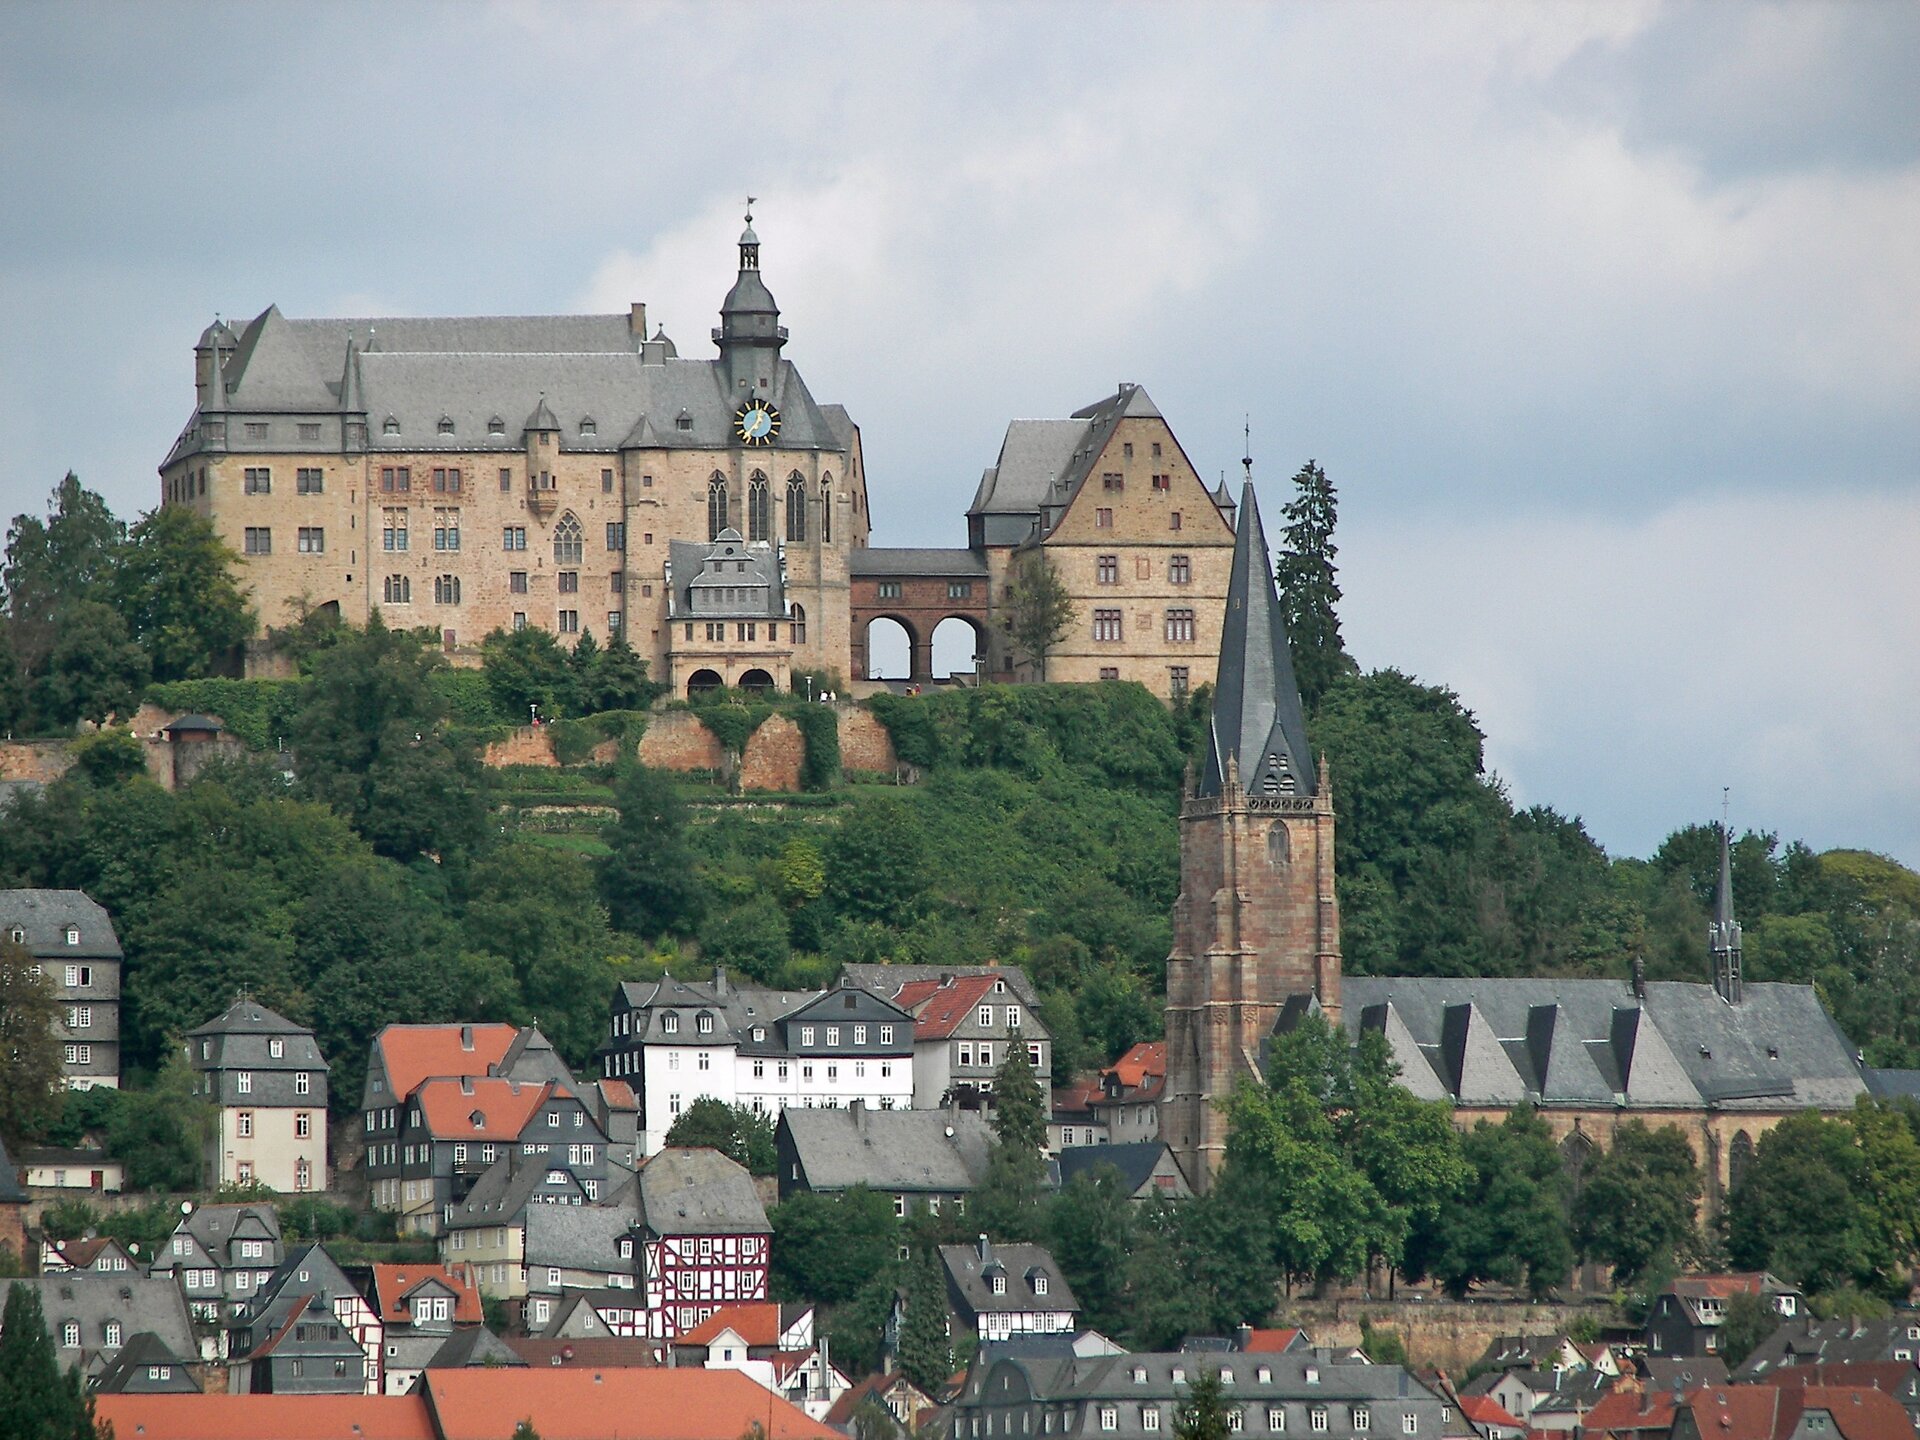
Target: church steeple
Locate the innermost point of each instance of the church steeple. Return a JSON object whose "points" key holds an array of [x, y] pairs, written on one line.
{"points": [[1723, 936], [750, 334], [1259, 726]]}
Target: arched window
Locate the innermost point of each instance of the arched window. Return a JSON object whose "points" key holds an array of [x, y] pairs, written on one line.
{"points": [[796, 507], [798, 616], [446, 589], [716, 505], [568, 545], [398, 590], [759, 508], [1739, 1157], [826, 507]]}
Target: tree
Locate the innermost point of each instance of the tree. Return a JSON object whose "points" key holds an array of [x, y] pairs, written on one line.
{"points": [[1090, 1228], [175, 586], [1804, 1209], [647, 879], [619, 680], [1040, 611], [30, 1065], [735, 1131], [751, 937], [926, 1353], [1309, 584], [825, 1248], [1750, 1320], [49, 565], [525, 1431], [1203, 1412], [39, 1399], [93, 668], [161, 1132], [1007, 1203], [529, 667], [1637, 1200], [1510, 1225], [877, 862]]}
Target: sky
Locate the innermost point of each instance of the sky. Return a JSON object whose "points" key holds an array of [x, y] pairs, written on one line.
{"points": [[1604, 319]]}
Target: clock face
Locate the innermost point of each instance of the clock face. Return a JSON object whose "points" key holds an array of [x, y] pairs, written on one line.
{"points": [[756, 422]]}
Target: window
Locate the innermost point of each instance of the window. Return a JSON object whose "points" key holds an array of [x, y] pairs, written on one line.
{"points": [[1149, 1417], [302, 1082], [70, 1334], [243, 1124], [833, 1034], [309, 480], [669, 1024], [569, 622], [1163, 482], [568, 582], [617, 583], [1173, 520], [1033, 1058], [243, 1082], [999, 1283], [303, 1130], [1180, 627], [445, 427], [396, 479], [446, 529], [889, 589], [1107, 569], [1409, 1424], [1039, 1284], [796, 507], [716, 505], [506, 475], [1177, 678], [1180, 570], [1113, 480], [312, 540], [398, 590], [1109, 1417], [1317, 1420], [1234, 1420], [806, 1034], [569, 545], [1102, 519], [1362, 1418], [798, 618], [1276, 1420], [1109, 672], [616, 535], [959, 589], [259, 479], [446, 480], [516, 582], [513, 537], [1106, 625], [886, 1034], [986, 1055], [446, 589], [73, 1054], [587, 427], [258, 540], [966, 1053], [393, 528], [759, 508]]}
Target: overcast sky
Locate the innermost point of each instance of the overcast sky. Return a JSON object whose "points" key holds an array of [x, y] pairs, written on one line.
{"points": [[1604, 319]]}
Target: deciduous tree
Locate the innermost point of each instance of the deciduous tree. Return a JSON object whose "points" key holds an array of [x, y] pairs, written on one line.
{"points": [[647, 878], [825, 1248], [735, 1131], [175, 586], [1637, 1200], [1040, 611], [30, 1064]]}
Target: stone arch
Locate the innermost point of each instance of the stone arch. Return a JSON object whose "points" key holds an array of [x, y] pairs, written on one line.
{"points": [[716, 505], [1575, 1151], [759, 507], [756, 679], [796, 507], [704, 680], [941, 643], [874, 631]]}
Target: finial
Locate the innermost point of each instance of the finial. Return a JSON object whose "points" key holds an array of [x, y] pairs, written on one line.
{"points": [[1246, 435], [1726, 803], [750, 200]]}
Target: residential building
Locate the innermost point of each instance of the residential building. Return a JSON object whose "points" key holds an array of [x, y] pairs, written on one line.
{"points": [[963, 1028], [403, 1057], [1546, 1401], [453, 1130], [1143, 1170], [220, 1256], [995, 1292], [86, 1168], [268, 1084], [923, 1159], [487, 1230], [533, 470], [147, 1365], [419, 1308], [775, 1346], [573, 1248], [898, 1398], [1801, 1341], [632, 1403], [1110, 501], [1118, 1105], [1136, 1397], [98, 1255], [676, 1041], [1686, 1316], [268, 1417], [598, 1353], [1790, 1412], [887, 980], [91, 1317], [308, 1330], [703, 1238], [70, 940]]}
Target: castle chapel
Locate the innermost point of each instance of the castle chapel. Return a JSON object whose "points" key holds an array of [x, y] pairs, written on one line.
{"points": [[1257, 946]]}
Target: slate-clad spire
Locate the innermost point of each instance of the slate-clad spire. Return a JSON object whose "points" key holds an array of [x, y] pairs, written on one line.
{"points": [[1723, 936], [750, 333], [1258, 722]]}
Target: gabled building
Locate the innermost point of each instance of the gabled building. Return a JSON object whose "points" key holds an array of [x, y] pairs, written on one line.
{"points": [[91, 1317], [419, 1307], [774, 1345], [221, 1256], [487, 1231], [98, 1255], [575, 1248], [85, 1168], [147, 1365], [703, 1238], [1801, 1341], [905, 1404], [995, 1292], [1143, 1170], [69, 938], [1686, 1317], [308, 1330], [925, 1159], [963, 1026], [268, 1083], [1793, 1412]]}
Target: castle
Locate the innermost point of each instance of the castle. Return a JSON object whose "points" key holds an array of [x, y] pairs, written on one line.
{"points": [[578, 474], [1257, 946]]}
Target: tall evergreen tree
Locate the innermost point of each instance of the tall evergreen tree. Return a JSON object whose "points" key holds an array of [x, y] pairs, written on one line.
{"points": [[926, 1353], [1007, 1204], [1202, 1414], [39, 1400], [1309, 585]]}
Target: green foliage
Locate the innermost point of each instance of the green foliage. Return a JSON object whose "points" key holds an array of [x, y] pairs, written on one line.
{"points": [[94, 669], [30, 1065], [40, 1400], [826, 1248], [110, 757], [176, 588], [1750, 1320], [469, 699], [1637, 1200], [1008, 1203], [1088, 1227], [647, 880], [258, 712], [732, 716], [1309, 584], [160, 1133], [877, 863], [69, 1219], [926, 1356], [820, 736], [750, 937], [1510, 1224], [1849, 1302], [1382, 1346], [314, 1217], [735, 1131], [1039, 609], [527, 670], [1203, 1411]]}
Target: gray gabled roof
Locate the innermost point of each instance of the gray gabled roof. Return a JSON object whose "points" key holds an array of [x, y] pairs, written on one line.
{"points": [[688, 1191], [898, 1151], [247, 1016], [904, 561], [1258, 723], [1134, 1162], [134, 1302], [531, 1057], [579, 1237], [127, 1371], [214, 1226], [887, 980], [506, 1189], [971, 1270], [45, 915], [472, 1345]]}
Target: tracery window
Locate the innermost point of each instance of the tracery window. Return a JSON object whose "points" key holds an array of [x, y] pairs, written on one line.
{"points": [[716, 505], [569, 544], [759, 508]]}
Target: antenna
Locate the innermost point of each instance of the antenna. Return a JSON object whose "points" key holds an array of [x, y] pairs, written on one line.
{"points": [[1726, 802]]}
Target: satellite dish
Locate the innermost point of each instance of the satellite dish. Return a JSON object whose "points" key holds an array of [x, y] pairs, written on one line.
{"points": [[186, 1207]]}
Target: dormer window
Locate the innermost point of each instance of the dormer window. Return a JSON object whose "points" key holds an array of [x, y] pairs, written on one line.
{"points": [[276, 1048], [496, 426], [759, 1033], [390, 426], [669, 1024], [1039, 1284], [683, 421], [999, 1283], [73, 934], [1139, 1374], [17, 935], [588, 426], [446, 424], [704, 1023]]}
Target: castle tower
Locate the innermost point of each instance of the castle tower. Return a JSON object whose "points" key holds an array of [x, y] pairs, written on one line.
{"points": [[1256, 923], [1723, 936]]}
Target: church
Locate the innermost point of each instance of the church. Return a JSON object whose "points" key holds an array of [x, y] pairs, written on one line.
{"points": [[1257, 945]]}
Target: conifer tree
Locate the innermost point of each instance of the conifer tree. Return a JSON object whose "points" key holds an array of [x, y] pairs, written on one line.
{"points": [[926, 1353], [39, 1400], [1309, 585], [1008, 1203], [1203, 1413]]}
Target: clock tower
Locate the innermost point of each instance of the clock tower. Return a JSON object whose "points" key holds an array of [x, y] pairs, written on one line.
{"points": [[750, 335]]}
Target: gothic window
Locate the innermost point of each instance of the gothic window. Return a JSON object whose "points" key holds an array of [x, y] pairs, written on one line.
{"points": [[796, 507], [1279, 846], [1739, 1156], [568, 540], [798, 616], [759, 508], [716, 505], [826, 508]]}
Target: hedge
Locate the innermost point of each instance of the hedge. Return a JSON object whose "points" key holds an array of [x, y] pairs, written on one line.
{"points": [[256, 711]]}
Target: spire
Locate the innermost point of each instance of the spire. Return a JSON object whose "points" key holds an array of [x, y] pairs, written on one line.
{"points": [[750, 334], [1723, 936], [1259, 727], [749, 242]]}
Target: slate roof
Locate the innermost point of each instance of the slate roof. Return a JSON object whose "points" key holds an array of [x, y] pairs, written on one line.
{"points": [[127, 1371], [912, 562], [1565, 1042], [1089, 1378], [247, 1016], [1257, 720], [1893, 1084], [215, 1227], [473, 1345], [136, 1302], [896, 1151], [687, 1191], [45, 916], [578, 1237], [1133, 1162], [505, 1191], [971, 1268], [1804, 1341], [702, 583]]}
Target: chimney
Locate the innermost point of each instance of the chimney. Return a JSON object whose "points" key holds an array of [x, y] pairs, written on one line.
{"points": [[720, 981], [637, 320], [466, 1037], [859, 1109], [986, 1249], [1243, 1338], [1639, 978]]}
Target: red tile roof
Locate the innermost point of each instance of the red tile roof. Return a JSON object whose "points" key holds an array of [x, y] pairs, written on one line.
{"points": [[942, 1009], [1723, 1287], [504, 1107], [392, 1284], [1768, 1412], [619, 1094], [267, 1417], [1271, 1342], [757, 1324], [1148, 1059], [1077, 1098], [413, 1053], [1485, 1410], [634, 1404]]}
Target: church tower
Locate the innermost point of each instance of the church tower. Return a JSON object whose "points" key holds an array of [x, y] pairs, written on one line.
{"points": [[1256, 924], [1723, 935]]}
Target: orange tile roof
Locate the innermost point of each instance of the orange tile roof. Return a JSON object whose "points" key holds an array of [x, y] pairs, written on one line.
{"points": [[619, 1094], [1078, 1097], [635, 1404], [1485, 1410], [757, 1324], [1271, 1341], [1144, 1060], [1723, 1287], [941, 1009], [393, 1283], [1619, 1412], [267, 1417], [504, 1106], [413, 1053]]}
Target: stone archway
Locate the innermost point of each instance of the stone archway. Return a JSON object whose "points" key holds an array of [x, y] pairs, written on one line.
{"points": [[757, 680], [704, 680]]}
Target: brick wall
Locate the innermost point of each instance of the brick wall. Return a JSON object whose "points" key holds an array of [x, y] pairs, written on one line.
{"points": [[865, 745], [42, 760], [676, 740], [1450, 1334], [774, 756], [527, 745]]}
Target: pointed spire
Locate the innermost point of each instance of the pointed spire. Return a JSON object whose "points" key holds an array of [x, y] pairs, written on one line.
{"points": [[1259, 729], [1723, 936]]}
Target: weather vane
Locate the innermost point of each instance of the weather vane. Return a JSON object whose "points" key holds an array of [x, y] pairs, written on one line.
{"points": [[750, 200], [1246, 434]]}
